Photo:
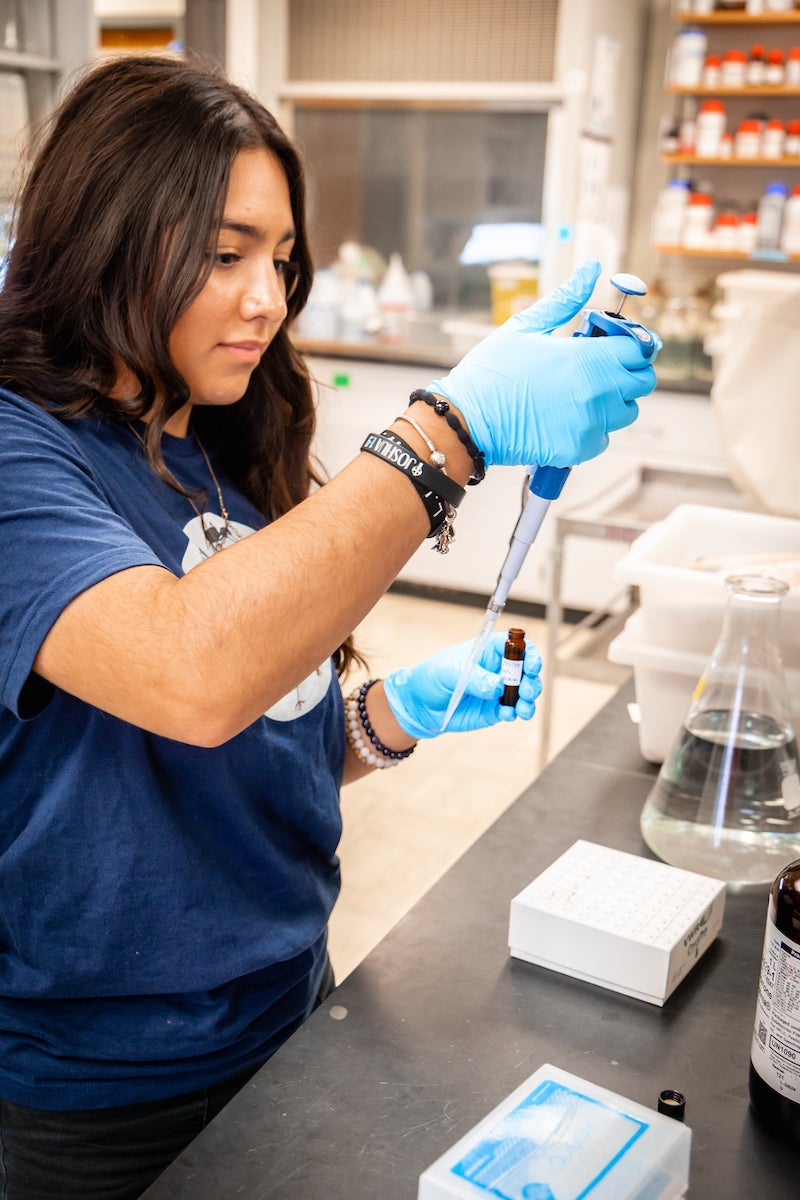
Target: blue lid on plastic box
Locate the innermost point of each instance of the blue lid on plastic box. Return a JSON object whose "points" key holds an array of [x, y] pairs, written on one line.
{"points": [[558, 1137]]}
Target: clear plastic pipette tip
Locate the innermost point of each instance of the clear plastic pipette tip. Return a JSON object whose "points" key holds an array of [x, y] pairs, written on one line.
{"points": [[481, 638]]}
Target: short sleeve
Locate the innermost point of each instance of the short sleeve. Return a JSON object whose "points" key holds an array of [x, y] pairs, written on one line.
{"points": [[59, 535]]}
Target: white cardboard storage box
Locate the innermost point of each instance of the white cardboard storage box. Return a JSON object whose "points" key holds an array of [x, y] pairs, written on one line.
{"points": [[563, 1137], [617, 920], [682, 606], [664, 680]]}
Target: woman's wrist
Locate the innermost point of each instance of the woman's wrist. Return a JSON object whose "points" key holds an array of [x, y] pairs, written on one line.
{"points": [[458, 464], [373, 733]]}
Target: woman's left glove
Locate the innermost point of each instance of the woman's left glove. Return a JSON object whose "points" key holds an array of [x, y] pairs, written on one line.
{"points": [[419, 696]]}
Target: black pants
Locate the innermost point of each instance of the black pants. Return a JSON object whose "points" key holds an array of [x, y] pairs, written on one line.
{"points": [[105, 1153]]}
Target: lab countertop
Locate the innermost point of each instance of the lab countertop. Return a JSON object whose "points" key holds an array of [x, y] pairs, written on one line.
{"points": [[439, 1024]]}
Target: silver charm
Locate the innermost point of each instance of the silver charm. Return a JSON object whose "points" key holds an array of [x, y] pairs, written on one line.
{"points": [[447, 532]]}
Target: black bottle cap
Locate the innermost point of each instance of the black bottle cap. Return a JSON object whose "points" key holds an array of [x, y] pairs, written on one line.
{"points": [[672, 1103]]}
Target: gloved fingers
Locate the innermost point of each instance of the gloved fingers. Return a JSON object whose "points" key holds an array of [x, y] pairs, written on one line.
{"points": [[562, 304], [484, 684]]}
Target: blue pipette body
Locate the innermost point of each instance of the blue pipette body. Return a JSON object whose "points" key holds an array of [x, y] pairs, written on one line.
{"points": [[545, 483]]}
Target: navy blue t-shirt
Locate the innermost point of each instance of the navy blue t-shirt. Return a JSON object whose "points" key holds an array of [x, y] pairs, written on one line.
{"points": [[163, 907]]}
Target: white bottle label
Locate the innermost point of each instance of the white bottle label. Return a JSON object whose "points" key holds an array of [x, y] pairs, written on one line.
{"points": [[511, 671], [776, 1035]]}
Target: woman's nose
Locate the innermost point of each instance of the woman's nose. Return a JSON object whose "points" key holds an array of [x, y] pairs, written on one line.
{"points": [[264, 296]]}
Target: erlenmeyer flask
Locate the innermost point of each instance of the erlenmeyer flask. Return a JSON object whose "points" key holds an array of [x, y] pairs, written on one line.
{"points": [[727, 799]]}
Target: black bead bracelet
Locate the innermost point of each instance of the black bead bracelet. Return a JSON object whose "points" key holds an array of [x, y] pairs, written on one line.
{"points": [[442, 408]]}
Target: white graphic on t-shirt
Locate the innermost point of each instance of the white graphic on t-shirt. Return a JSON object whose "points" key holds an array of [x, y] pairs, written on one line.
{"points": [[307, 694]]}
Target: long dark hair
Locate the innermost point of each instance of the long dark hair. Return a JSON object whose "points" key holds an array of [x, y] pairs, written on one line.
{"points": [[110, 248]]}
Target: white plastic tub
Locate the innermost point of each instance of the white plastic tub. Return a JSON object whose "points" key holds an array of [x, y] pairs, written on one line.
{"points": [[664, 679], [682, 606]]}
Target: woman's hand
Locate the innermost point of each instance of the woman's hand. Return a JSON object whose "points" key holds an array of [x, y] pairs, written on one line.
{"points": [[419, 696], [529, 398]]}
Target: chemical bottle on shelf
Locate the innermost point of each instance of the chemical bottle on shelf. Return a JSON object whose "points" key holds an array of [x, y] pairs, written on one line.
{"points": [[773, 140], [669, 213], [755, 66], [770, 216], [395, 300], [747, 143], [774, 70], [711, 71], [319, 320], [792, 147], [733, 71], [793, 67], [709, 128], [748, 232], [686, 57], [698, 222], [774, 1070], [790, 232]]}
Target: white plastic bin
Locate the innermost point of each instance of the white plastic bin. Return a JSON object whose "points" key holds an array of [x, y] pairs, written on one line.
{"points": [[682, 606], [664, 679]]}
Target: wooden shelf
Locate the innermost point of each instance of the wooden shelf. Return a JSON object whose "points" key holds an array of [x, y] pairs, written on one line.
{"points": [[737, 17], [695, 160], [690, 252], [777, 92]]}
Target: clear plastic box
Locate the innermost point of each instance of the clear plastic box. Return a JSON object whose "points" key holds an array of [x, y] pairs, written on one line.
{"points": [[561, 1136], [664, 678], [681, 605]]}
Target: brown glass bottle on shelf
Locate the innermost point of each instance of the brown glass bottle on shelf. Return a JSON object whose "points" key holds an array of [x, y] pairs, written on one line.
{"points": [[775, 1052], [511, 668]]}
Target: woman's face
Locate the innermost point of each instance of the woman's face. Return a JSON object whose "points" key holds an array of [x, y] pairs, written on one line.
{"points": [[218, 341]]}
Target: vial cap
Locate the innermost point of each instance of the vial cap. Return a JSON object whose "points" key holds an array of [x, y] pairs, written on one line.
{"points": [[775, 56], [698, 198], [712, 106], [776, 189], [735, 56], [672, 1103]]}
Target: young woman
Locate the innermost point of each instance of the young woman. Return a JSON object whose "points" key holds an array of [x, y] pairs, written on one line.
{"points": [[176, 598]]}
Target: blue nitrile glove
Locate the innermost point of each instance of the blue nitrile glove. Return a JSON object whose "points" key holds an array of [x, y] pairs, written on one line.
{"points": [[419, 696], [529, 398]]}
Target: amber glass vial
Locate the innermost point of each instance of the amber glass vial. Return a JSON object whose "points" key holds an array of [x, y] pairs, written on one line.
{"points": [[511, 668]]}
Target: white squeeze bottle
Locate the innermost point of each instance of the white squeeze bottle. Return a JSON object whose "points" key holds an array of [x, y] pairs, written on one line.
{"points": [[395, 300], [790, 231]]}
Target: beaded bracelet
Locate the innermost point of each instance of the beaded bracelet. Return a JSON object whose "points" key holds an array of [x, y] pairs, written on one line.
{"points": [[363, 740], [442, 408]]}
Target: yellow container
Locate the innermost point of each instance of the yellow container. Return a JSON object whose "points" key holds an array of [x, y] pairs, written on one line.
{"points": [[514, 286]]}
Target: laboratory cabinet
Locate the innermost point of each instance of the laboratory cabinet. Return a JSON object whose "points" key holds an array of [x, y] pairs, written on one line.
{"points": [[674, 431], [42, 43]]}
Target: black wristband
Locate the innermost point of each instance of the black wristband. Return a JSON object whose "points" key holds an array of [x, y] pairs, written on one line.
{"points": [[442, 408], [397, 453]]}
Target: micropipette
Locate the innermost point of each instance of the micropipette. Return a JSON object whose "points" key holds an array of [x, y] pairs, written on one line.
{"points": [[545, 483]]}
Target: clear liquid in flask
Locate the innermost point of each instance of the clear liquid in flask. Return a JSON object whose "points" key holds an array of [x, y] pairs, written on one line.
{"points": [[727, 800]]}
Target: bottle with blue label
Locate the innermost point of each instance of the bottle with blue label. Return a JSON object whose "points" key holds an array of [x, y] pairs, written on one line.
{"points": [[771, 208]]}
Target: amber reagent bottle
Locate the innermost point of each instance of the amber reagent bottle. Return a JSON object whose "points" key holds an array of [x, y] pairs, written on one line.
{"points": [[511, 668], [775, 1052]]}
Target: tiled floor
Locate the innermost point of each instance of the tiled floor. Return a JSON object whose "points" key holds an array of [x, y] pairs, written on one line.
{"points": [[404, 828]]}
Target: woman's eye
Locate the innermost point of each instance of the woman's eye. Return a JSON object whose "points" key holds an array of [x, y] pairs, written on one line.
{"points": [[226, 258]]}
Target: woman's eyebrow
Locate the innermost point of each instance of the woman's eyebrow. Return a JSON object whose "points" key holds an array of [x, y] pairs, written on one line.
{"points": [[254, 231]]}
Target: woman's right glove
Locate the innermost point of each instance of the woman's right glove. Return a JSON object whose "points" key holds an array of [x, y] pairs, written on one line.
{"points": [[529, 398]]}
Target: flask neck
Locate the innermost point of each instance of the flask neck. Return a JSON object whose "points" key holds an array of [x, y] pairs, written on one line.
{"points": [[745, 671]]}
